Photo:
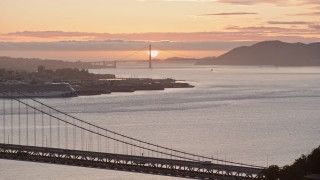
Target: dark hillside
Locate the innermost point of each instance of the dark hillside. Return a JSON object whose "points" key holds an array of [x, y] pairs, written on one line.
{"points": [[273, 53]]}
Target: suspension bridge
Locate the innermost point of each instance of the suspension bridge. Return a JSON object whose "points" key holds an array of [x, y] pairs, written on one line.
{"points": [[34, 131], [149, 49]]}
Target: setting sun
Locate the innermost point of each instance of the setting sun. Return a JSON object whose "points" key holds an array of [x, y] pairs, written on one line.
{"points": [[154, 53]]}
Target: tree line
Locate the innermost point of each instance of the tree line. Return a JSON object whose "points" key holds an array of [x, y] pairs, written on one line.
{"points": [[306, 164]]}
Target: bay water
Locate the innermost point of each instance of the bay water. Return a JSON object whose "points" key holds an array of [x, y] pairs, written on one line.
{"points": [[254, 115]]}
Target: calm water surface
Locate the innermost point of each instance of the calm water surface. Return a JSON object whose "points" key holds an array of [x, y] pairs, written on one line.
{"points": [[258, 115]]}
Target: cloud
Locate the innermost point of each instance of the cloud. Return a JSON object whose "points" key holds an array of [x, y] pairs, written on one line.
{"points": [[316, 27], [187, 0], [311, 2], [290, 22], [231, 33], [306, 14], [252, 2], [272, 31], [52, 34], [258, 29], [229, 14]]}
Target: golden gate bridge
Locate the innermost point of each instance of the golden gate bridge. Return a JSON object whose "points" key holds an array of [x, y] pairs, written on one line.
{"points": [[113, 63]]}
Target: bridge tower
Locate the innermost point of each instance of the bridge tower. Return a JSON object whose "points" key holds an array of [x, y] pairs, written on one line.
{"points": [[150, 62]]}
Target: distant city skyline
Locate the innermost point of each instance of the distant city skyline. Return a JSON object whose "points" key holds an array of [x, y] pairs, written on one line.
{"points": [[238, 22]]}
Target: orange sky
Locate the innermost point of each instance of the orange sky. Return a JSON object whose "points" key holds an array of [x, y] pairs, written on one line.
{"points": [[158, 20]]}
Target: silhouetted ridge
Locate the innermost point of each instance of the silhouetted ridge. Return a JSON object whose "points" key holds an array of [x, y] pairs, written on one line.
{"points": [[273, 53], [31, 64]]}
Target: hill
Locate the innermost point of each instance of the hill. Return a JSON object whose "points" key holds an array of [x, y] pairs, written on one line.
{"points": [[31, 64], [179, 59], [187, 59], [270, 53]]}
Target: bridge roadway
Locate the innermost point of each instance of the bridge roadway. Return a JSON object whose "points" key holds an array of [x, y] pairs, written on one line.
{"points": [[141, 164]]}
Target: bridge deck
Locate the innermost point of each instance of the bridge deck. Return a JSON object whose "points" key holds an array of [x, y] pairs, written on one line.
{"points": [[170, 167]]}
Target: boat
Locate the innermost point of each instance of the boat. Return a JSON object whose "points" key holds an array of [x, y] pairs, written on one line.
{"points": [[8, 90]]}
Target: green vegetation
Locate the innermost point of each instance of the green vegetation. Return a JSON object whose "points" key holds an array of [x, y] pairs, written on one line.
{"points": [[309, 164]]}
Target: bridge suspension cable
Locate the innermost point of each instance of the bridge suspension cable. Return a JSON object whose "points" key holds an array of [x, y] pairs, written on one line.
{"points": [[172, 52], [88, 144], [132, 54], [87, 130]]}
